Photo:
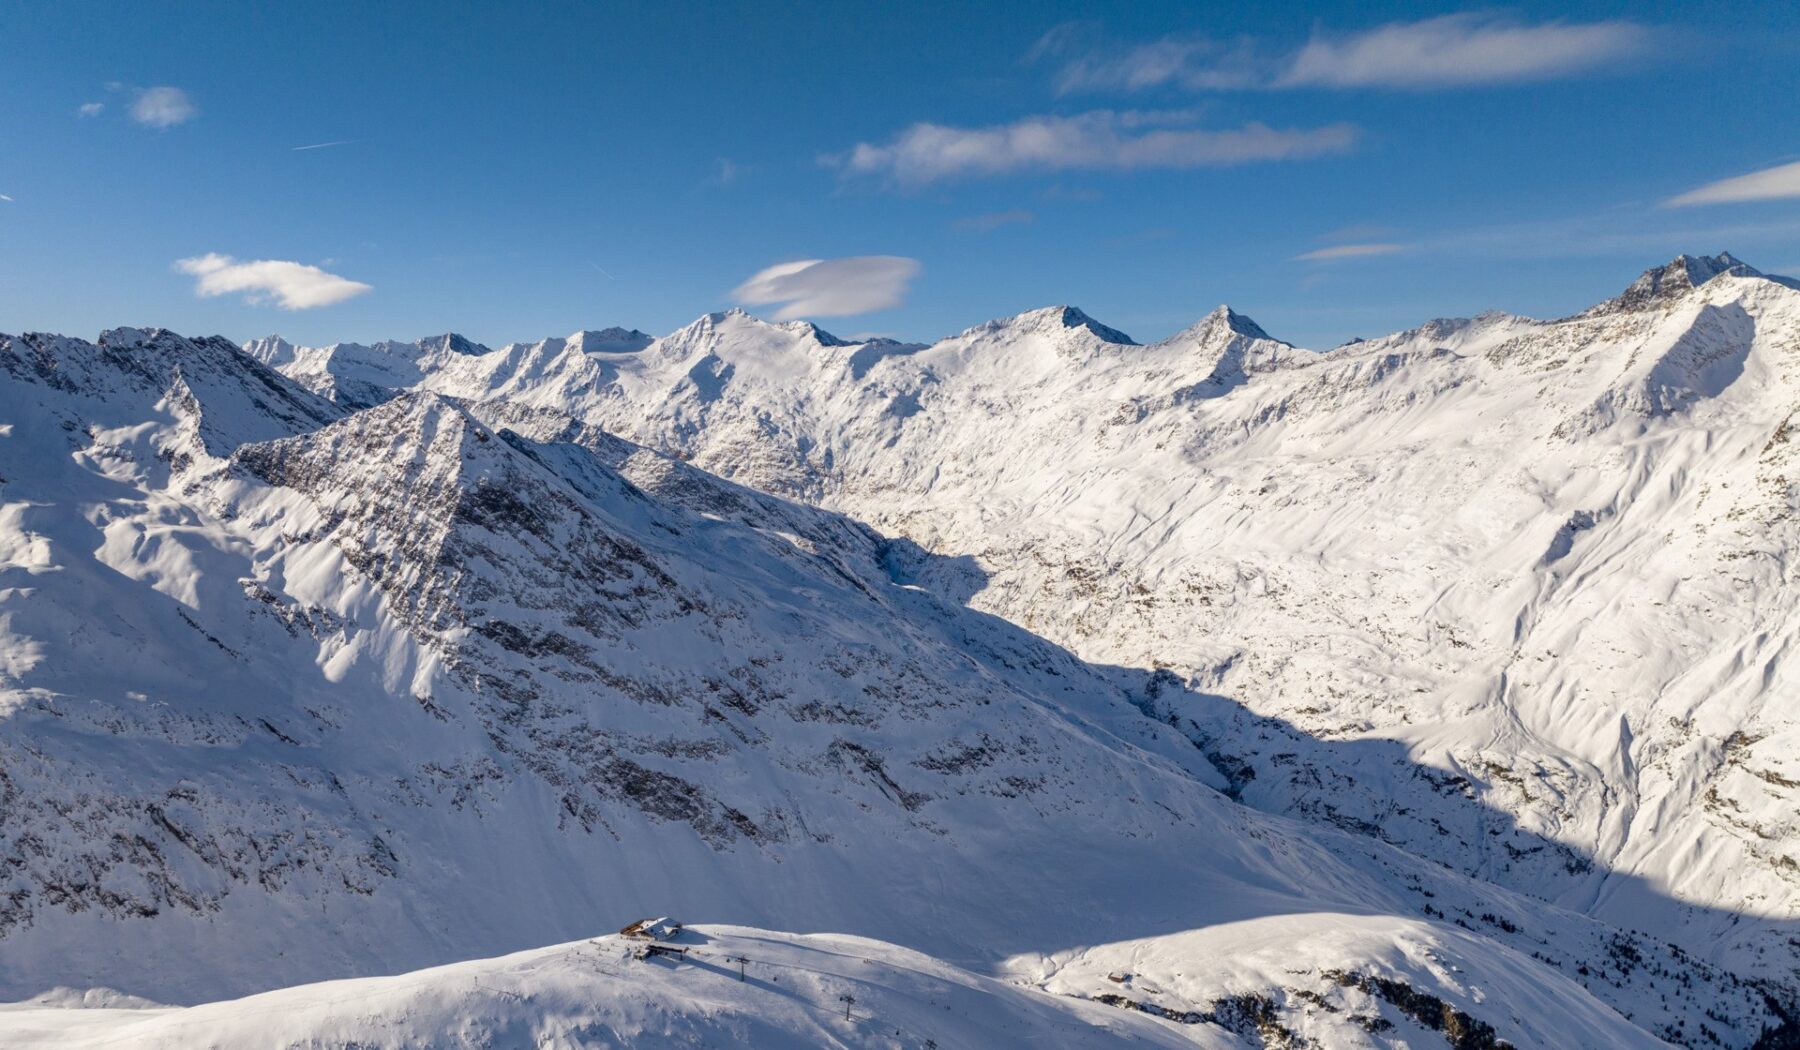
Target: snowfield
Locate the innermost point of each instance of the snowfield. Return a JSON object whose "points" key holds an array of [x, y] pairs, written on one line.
{"points": [[1432, 690], [1513, 595], [734, 986], [592, 994]]}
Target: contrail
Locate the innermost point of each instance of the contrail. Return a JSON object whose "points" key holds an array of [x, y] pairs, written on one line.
{"points": [[323, 145], [596, 265]]}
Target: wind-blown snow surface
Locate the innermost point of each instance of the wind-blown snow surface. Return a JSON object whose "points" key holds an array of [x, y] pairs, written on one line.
{"points": [[296, 688], [590, 994]]}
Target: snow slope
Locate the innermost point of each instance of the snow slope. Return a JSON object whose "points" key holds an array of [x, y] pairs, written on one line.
{"points": [[304, 684], [293, 692], [744, 987], [1514, 595], [590, 994]]}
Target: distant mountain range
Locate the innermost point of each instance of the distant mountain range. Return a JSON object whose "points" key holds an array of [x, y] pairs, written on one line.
{"points": [[1432, 690]]}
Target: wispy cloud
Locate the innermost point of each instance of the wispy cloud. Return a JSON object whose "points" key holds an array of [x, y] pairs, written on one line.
{"points": [[1457, 50], [1191, 62], [4, 197], [1463, 49], [326, 145], [163, 107], [1631, 232], [290, 285], [994, 220], [90, 109], [1099, 140], [1777, 183], [1348, 251], [830, 287]]}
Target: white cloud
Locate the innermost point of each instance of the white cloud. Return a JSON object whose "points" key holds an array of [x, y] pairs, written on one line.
{"points": [[1767, 185], [1101, 139], [163, 107], [1191, 62], [1348, 251], [1447, 51], [1462, 49], [90, 109], [291, 285], [4, 197], [830, 287]]}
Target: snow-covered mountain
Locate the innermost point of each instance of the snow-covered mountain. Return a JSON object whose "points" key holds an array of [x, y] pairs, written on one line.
{"points": [[1374, 697], [1513, 595]]}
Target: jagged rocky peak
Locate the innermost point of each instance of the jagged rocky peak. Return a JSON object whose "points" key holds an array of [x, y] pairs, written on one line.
{"points": [[416, 433], [1054, 320], [164, 346], [1675, 278], [613, 340], [451, 342], [1701, 269], [274, 351], [156, 338]]}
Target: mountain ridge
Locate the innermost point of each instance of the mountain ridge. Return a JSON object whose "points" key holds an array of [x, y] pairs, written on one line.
{"points": [[396, 657], [853, 438], [1690, 270]]}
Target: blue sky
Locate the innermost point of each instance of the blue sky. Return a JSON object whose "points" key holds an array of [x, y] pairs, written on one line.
{"points": [[517, 171]]}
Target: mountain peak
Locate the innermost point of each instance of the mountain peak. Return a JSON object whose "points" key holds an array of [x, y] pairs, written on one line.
{"points": [[161, 340], [1675, 278], [453, 343], [613, 340], [1229, 319], [702, 329], [1696, 270], [819, 335], [126, 336], [1055, 319], [271, 350], [1072, 317], [1222, 325]]}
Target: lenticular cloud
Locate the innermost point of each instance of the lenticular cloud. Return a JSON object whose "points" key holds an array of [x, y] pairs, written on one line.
{"points": [[831, 287], [290, 285]]}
